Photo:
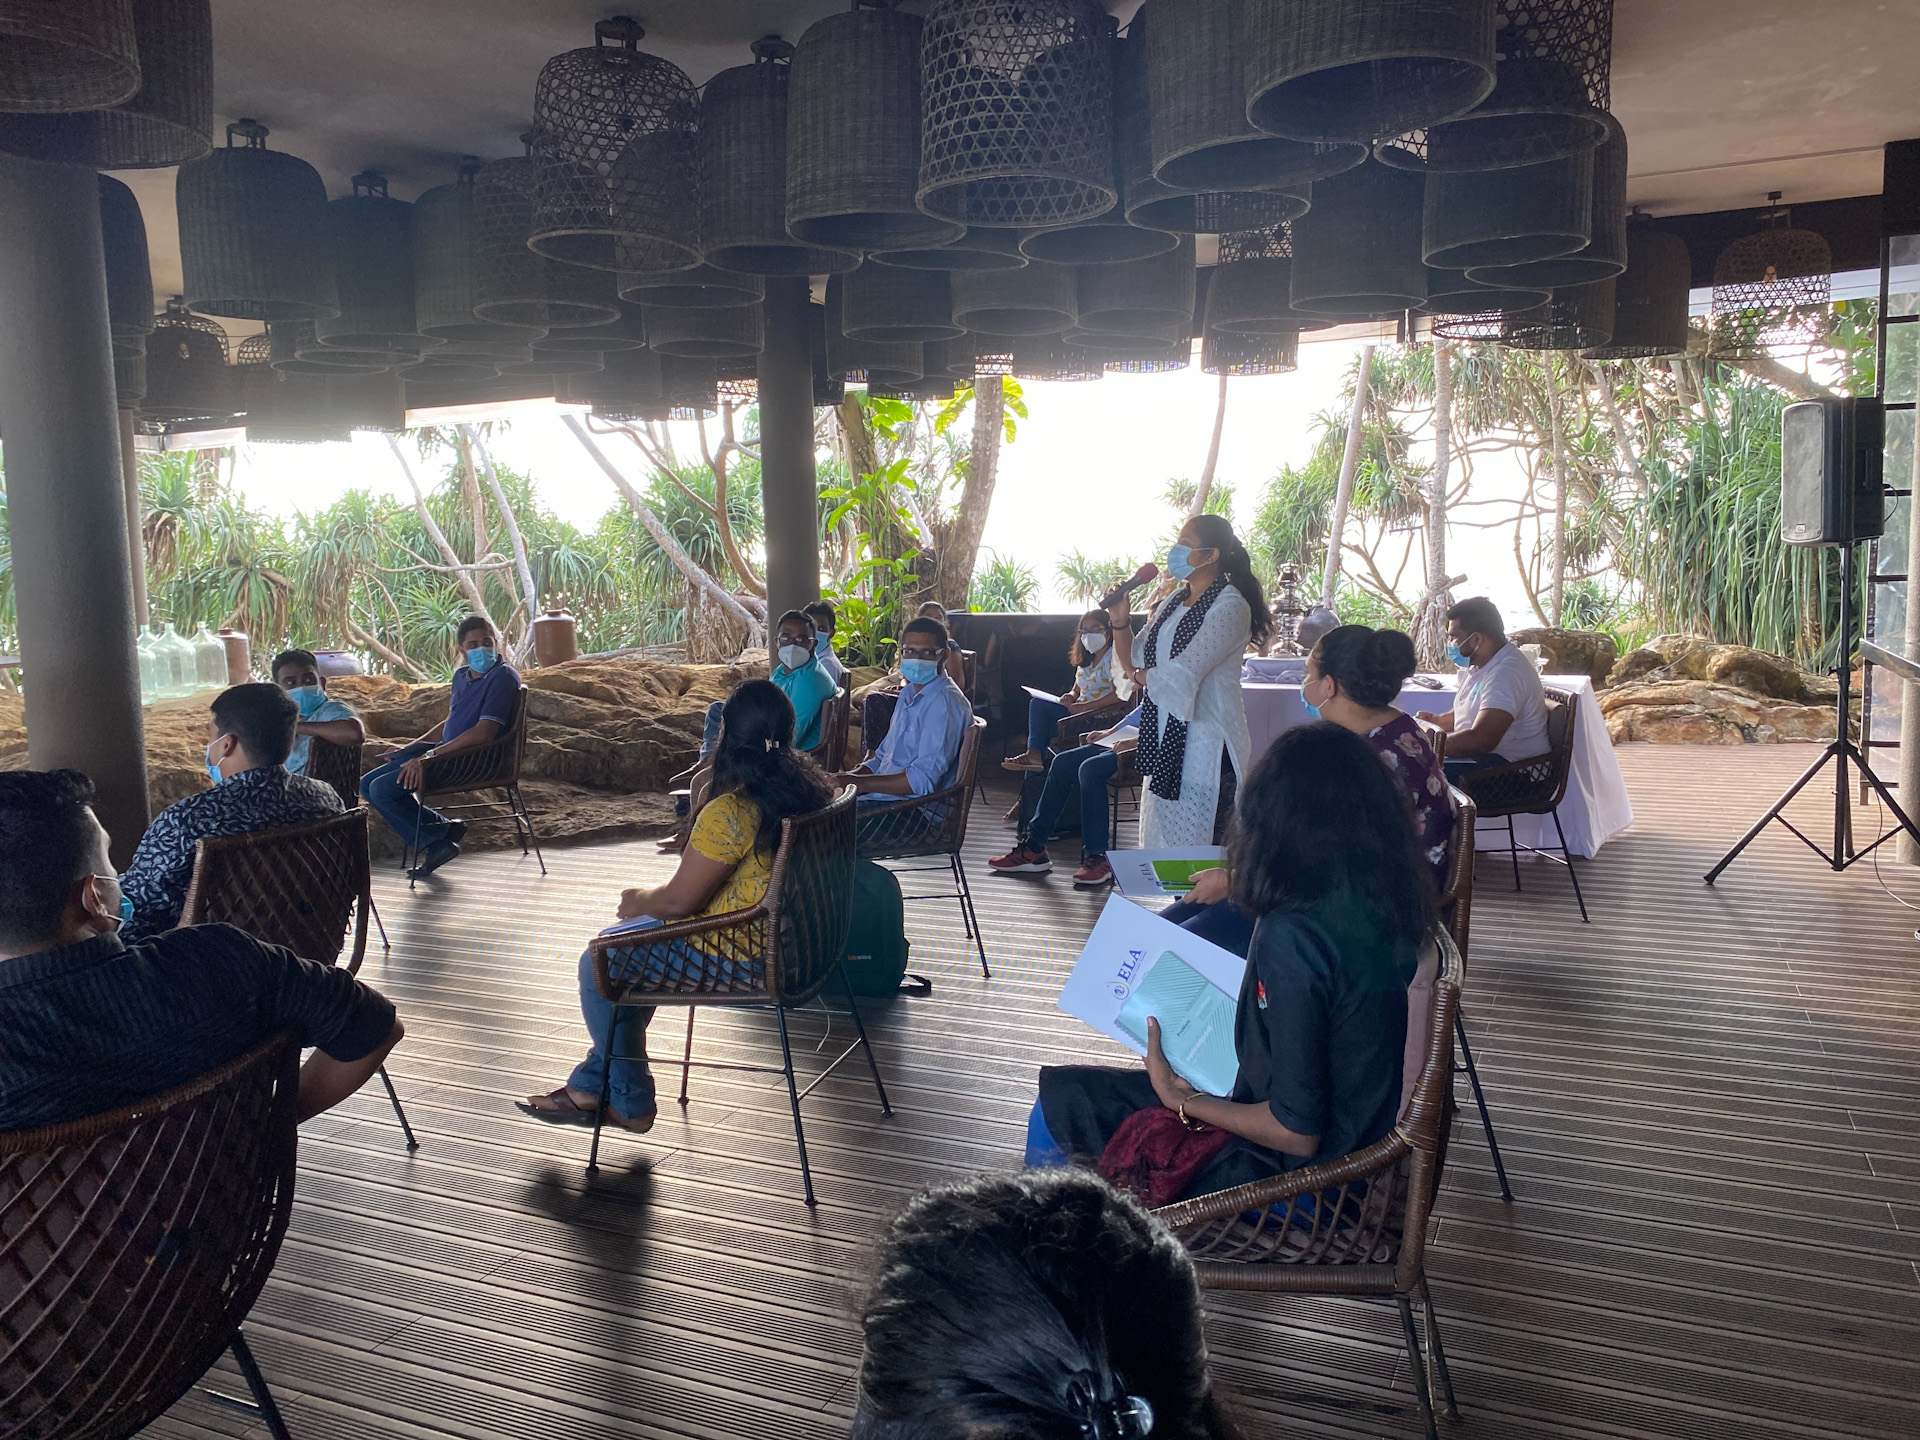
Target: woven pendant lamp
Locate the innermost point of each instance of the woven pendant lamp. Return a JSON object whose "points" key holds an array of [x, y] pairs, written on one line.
{"points": [[1250, 289], [690, 390], [1334, 70], [129, 380], [978, 249], [697, 286], [1357, 252], [736, 380], [1650, 299], [627, 332], [1196, 84], [1605, 253], [309, 347], [614, 182], [129, 275], [1140, 297], [253, 232], [1250, 354], [1048, 357], [1449, 292], [740, 155], [1017, 112], [60, 55], [436, 370], [1179, 359], [898, 361], [1579, 317], [375, 401], [714, 333], [1039, 300], [631, 379], [280, 408], [443, 266], [291, 341], [853, 134], [1112, 239], [1556, 63], [1508, 217], [550, 363], [951, 359], [1772, 290], [511, 284], [828, 388], [882, 302], [370, 243], [167, 122], [1104, 345], [186, 368], [490, 352]]}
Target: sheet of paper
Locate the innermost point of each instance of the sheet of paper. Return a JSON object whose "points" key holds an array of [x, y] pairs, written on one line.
{"points": [[1156, 874], [1041, 694], [1127, 735], [1136, 965]]}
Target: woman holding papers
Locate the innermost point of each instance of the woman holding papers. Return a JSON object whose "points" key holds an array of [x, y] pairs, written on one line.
{"points": [[1188, 661], [1095, 683], [1324, 854]]}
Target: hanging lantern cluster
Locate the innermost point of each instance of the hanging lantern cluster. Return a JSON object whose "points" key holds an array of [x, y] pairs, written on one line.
{"points": [[1772, 290]]}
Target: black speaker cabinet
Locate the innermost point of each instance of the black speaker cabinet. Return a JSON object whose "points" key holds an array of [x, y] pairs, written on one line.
{"points": [[1830, 471]]}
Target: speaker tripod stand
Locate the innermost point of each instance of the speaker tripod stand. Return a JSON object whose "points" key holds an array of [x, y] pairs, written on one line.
{"points": [[1840, 753]]}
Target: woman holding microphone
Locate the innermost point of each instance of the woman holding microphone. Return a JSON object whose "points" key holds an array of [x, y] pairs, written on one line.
{"points": [[1188, 662]]}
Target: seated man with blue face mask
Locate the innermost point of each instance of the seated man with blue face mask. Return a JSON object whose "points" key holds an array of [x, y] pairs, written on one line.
{"points": [[248, 740], [486, 693], [298, 673], [922, 748]]}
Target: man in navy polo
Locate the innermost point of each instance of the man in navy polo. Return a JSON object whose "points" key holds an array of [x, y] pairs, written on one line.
{"points": [[486, 692]]}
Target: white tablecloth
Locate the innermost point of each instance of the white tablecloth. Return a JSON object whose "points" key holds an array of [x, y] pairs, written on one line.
{"points": [[1596, 808]]}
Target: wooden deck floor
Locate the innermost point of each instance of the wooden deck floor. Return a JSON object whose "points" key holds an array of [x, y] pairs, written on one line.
{"points": [[1706, 1100]]}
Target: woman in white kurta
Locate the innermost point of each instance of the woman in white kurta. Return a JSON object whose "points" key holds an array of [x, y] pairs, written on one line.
{"points": [[1188, 658]]}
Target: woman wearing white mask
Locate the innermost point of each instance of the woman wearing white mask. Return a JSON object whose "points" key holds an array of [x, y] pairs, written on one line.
{"points": [[1095, 683], [1188, 661]]}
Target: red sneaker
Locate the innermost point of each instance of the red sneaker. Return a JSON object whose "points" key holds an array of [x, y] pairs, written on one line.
{"points": [[1094, 874], [1022, 860]]}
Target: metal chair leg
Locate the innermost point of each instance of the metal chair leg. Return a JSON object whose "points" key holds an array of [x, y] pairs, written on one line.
{"points": [[866, 1045], [257, 1383], [1567, 856], [520, 803], [1513, 852], [398, 1113], [973, 918], [606, 1088], [1423, 1397], [1436, 1353], [686, 1060], [793, 1098], [385, 943], [1480, 1099]]}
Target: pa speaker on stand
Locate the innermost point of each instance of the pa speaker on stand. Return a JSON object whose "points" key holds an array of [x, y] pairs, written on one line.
{"points": [[1831, 493]]}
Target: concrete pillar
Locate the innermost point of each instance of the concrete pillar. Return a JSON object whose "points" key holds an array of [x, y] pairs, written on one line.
{"points": [[1909, 789], [788, 483], [136, 537], [66, 499]]}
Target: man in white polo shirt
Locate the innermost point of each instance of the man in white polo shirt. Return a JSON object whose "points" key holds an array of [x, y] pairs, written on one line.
{"points": [[1499, 714]]}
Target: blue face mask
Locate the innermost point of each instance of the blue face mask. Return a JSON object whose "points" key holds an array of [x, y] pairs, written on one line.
{"points": [[213, 770], [126, 910], [1178, 564], [309, 698], [1457, 656], [919, 672], [1313, 710], [482, 658]]}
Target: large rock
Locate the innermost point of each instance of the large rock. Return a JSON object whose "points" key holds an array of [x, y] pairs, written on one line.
{"points": [[1572, 652], [1737, 667], [1697, 712]]}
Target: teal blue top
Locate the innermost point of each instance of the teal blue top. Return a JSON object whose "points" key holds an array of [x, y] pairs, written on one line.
{"points": [[809, 688]]}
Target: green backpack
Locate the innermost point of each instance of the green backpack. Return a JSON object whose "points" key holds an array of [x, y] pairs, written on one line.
{"points": [[876, 962]]}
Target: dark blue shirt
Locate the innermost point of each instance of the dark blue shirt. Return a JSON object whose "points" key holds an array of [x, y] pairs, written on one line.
{"points": [[491, 696], [90, 1027]]}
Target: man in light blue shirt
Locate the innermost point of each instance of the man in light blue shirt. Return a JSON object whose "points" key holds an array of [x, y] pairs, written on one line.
{"points": [[298, 673], [921, 753]]}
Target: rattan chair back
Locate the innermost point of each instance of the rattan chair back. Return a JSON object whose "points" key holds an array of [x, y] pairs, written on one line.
{"points": [[777, 952], [336, 765], [486, 767], [835, 718], [934, 824], [1456, 901], [300, 887], [1352, 1226], [133, 1243], [1534, 786]]}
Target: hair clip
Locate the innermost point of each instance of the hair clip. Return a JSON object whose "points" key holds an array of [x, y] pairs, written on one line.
{"points": [[1125, 1417]]}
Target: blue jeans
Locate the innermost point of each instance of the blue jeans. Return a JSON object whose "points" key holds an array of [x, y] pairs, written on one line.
{"points": [[380, 787], [631, 1093], [1093, 766], [1459, 765], [710, 731], [1042, 717], [1225, 924]]}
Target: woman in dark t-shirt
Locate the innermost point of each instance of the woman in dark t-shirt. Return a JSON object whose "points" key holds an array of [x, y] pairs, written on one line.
{"points": [[1324, 854]]}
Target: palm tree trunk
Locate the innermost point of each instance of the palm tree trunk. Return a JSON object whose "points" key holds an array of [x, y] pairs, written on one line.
{"points": [[961, 547], [530, 596], [1349, 467], [462, 571], [1557, 581], [1432, 634], [1204, 491]]}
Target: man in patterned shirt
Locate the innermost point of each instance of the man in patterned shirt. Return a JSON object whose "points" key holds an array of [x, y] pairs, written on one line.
{"points": [[249, 739]]}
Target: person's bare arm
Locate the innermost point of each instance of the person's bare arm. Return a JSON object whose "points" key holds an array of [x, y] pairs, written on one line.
{"points": [[867, 783], [687, 893], [347, 733], [1253, 1122], [1210, 887], [1483, 737], [1440, 720], [481, 732], [325, 1081]]}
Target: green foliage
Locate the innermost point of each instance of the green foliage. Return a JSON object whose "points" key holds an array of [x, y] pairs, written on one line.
{"points": [[870, 600], [1357, 605], [1002, 586], [1087, 580]]}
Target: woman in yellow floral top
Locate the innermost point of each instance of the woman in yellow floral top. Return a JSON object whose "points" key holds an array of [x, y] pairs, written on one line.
{"points": [[759, 780]]}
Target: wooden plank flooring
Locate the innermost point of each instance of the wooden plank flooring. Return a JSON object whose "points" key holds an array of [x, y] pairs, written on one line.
{"points": [[1706, 1100]]}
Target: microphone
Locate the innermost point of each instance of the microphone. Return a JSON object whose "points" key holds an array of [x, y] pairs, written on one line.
{"points": [[1145, 575]]}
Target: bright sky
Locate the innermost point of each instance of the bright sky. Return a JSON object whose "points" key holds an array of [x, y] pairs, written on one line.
{"points": [[1086, 473]]}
